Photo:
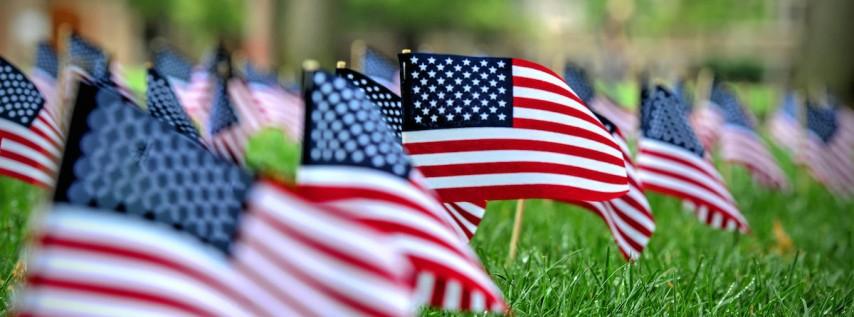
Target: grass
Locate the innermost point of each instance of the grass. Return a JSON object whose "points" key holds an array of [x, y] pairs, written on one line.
{"points": [[568, 264]]}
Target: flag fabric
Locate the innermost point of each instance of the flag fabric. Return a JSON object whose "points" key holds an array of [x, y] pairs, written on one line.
{"points": [[466, 215], [162, 232], [580, 83], [45, 75], [87, 59], [671, 160], [826, 151], [277, 107], [353, 162], [226, 135], [192, 85], [629, 217], [739, 142], [381, 69], [784, 126], [484, 128], [706, 123], [30, 138], [164, 105]]}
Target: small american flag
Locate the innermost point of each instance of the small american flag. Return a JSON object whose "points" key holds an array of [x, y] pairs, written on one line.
{"points": [[91, 63], [740, 143], [30, 139], [162, 232], [483, 128], [784, 126], [192, 84], [466, 215], [353, 162], [45, 75], [827, 152], [629, 217], [381, 69], [226, 136], [164, 105], [671, 160], [277, 107], [578, 80]]}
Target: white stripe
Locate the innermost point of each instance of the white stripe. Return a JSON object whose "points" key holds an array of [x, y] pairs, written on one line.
{"points": [[517, 156], [467, 226], [453, 295], [26, 170], [662, 147], [424, 285], [548, 96], [559, 118], [16, 129], [417, 247], [49, 301], [28, 152], [638, 216], [527, 72], [42, 126], [523, 179], [649, 162], [691, 190], [472, 209], [474, 134]]}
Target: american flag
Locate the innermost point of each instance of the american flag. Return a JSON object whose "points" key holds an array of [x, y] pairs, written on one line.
{"points": [[162, 232], [741, 144], [784, 126], [671, 160], [353, 162], [45, 75], [30, 139], [484, 128], [91, 63], [193, 85], [629, 217], [466, 215], [827, 150], [226, 135], [164, 105], [578, 80], [381, 69], [277, 106]]}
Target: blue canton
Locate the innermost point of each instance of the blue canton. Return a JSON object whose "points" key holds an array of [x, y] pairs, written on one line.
{"points": [[344, 128], [88, 57], [729, 107], [20, 101], [222, 112], [664, 120], [577, 79], [377, 65], [381, 96], [164, 105], [171, 64], [680, 89], [822, 121], [46, 59], [253, 75], [451, 91]]}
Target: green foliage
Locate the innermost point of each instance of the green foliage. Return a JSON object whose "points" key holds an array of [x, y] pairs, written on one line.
{"points": [[656, 17], [409, 17], [271, 153], [16, 202], [205, 20]]}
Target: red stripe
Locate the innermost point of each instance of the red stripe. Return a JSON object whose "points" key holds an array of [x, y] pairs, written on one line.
{"points": [[454, 211], [508, 192], [444, 274], [526, 63], [478, 145], [37, 280], [668, 157], [183, 269], [534, 83], [24, 178], [473, 219], [327, 194], [532, 124], [697, 201], [519, 167], [545, 105], [25, 160], [702, 183], [27, 143]]}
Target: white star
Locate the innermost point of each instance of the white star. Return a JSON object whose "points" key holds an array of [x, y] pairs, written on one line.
{"points": [[441, 109], [493, 109], [425, 111], [416, 89], [431, 74], [467, 116], [458, 109], [500, 64], [458, 81], [458, 67], [492, 70], [422, 66], [441, 95], [502, 90], [476, 82], [493, 96], [501, 116], [440, 67], [483, 75], [475, 68], [501, 77], [424, 81], [449, 87], [466, 74], [484, 88], [434, 118], [466, 88], [431, 60], [441, 81], [450, 102], [433, 103], [418, 104], [483, 116], [466, 62], [418, 119], [449, 74], [476, 95], [432, 88], [476, 109], [484, 102], [467, 102], [413, 59], [415, 74], [424, 96], [493, 83], [450, 116], [483, 62], [448, 61], [458, 95]]}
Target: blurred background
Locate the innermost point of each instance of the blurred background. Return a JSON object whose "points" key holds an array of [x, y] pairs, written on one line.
{"points": [[762, 44]]}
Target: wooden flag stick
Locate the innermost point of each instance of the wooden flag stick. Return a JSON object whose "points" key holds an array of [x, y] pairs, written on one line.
{"points": [[517, 228], [341, 65]]}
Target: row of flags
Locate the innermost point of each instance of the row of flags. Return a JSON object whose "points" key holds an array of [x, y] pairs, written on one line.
{"points": [[154, 210]]}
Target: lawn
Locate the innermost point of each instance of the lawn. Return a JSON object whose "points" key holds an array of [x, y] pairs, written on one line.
{"points": [[568, 264]]}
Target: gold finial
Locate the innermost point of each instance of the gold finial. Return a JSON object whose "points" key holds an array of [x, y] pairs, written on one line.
{"points": [[341, 64], [406, 51], [310, 65]]}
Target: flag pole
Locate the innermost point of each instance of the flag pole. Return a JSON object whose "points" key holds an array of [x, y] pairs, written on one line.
{"points": [[357, 54], [341, 65], [63, 35], [517, 228]]}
